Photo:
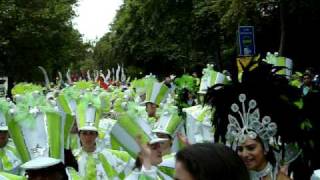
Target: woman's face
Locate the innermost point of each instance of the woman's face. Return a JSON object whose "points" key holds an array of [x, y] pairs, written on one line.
{"points": [[156, 155], [88, 138], [252, 154], [181, 172], [151, 109]]}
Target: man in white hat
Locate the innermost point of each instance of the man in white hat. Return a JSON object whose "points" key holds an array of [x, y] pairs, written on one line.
{"points": [[156, 93], [149, 157], [100, 163], [94, 162]]}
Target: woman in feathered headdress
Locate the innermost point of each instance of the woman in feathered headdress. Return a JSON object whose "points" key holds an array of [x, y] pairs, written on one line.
{"points": [[251, 116]]}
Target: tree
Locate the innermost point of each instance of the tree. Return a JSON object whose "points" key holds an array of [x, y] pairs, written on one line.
{"points": [[176, 36], [35, 33]]}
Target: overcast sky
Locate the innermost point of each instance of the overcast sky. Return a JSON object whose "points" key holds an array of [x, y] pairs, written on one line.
{"points": [[94, 17]]}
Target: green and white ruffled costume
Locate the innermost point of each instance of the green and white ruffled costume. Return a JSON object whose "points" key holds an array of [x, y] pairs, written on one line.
{"points": [[168, 165], [9, 159], [104, 164], [152, 174]]}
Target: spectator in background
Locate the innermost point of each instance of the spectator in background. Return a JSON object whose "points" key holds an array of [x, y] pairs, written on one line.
{"points": [[309, 70], [307, 85], [167, 82], [189, 98]]}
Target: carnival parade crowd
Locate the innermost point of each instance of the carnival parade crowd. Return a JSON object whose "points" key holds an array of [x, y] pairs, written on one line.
{"points": [[260, 123]]}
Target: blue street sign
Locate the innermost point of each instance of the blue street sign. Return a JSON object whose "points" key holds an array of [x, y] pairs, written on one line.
{"points": [[246, 40]]}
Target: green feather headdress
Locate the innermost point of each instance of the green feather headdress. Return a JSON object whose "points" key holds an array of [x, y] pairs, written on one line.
{"points": [[4, 105], [187, 82], [23, 110], [24, 88], [84, 85]]}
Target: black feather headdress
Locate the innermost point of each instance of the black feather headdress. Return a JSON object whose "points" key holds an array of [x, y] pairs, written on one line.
{"points": [[272, 92]]}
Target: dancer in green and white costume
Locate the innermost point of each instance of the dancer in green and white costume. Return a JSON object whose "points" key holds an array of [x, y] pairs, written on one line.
{"points": [[156, 93], [94, 162], [37, 129], [169, 124], [100, 164], [198, 124], [147, 161], [147, 153], [66, 102], [9, 158]]}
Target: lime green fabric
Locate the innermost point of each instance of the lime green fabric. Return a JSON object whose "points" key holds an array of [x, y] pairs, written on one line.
{"points": [[152, 121], [149, 89], [5, 160], [10, 158], [173, 124], [69, 121], [54, 134], [4, 106], [167, 170], [81, 111], [7, 176], [132, 128], [281, 62], [123, 155], [105, 102], [107, 167], [110, 164], [82, 107], [299, 103], [91, 168], [186, 82], [73, 174], [24, 88], [17, 136], [163, 91], [203, 114], [84, 85], [74, 141], [62, 100], [213, 74], [145, 177], [116, 145], [117, 105], [152, 174]]}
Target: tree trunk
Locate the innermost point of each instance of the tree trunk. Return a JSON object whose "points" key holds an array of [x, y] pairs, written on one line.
{"points": [[282, 28]]}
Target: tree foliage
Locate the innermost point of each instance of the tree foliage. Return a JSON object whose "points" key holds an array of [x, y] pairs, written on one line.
{"points": [[175, 36], [34, 33]]}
